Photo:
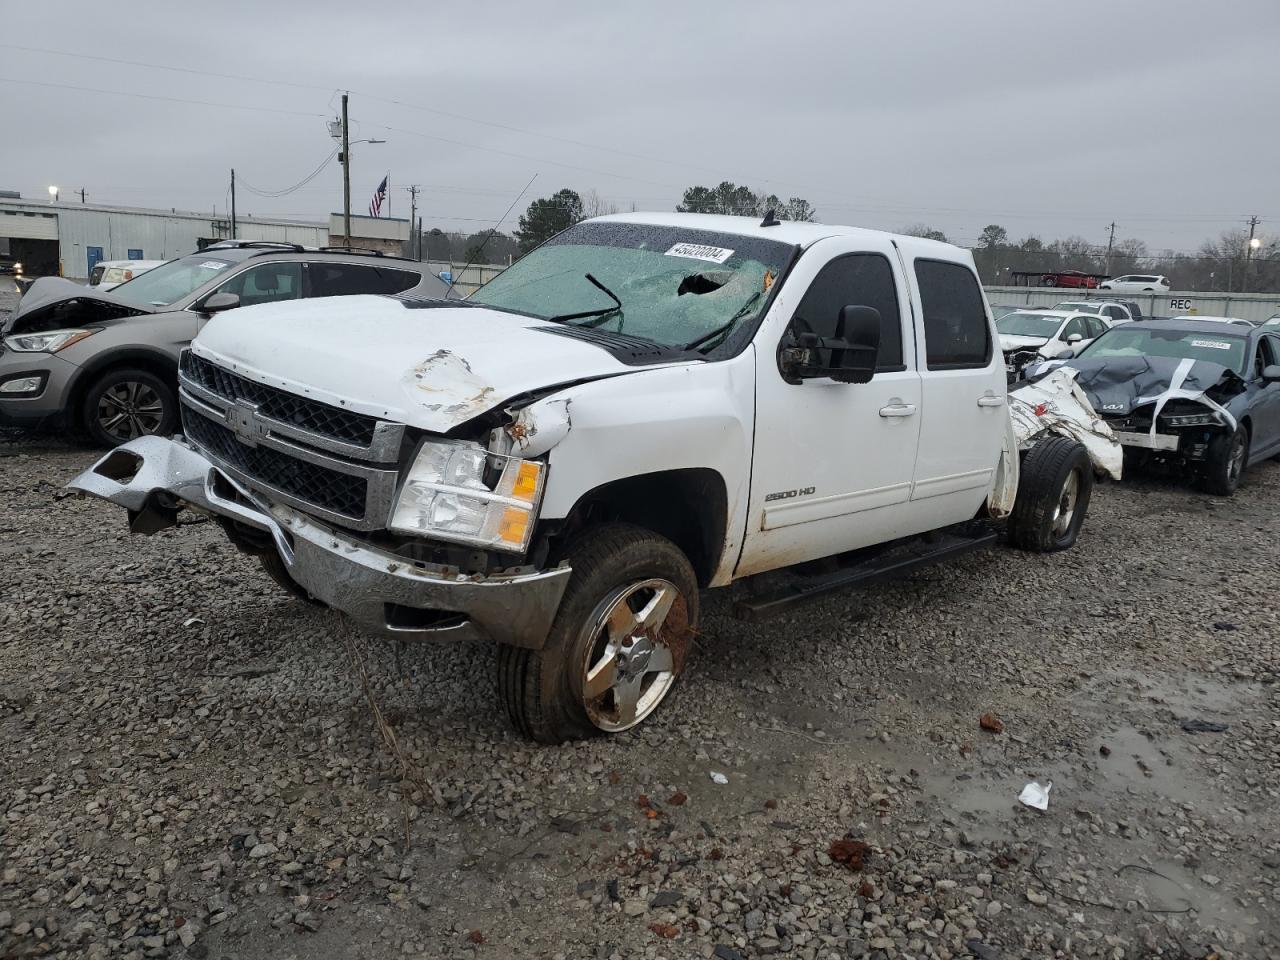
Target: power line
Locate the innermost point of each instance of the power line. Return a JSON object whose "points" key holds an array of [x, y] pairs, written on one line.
{"points": [[276, 194], [156, 96]]}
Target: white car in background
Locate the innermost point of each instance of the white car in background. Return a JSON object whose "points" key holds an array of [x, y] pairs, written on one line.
{"points": [[111, 273], [1136, 283], [1029, 336], [1111, 311]]}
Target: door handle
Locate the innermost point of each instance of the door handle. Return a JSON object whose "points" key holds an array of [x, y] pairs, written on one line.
{"points": [[898, 410], [990, 401]]}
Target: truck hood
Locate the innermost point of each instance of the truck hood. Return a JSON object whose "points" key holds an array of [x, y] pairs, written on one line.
{"points": [[53, 303], [1009, 341], [423, 363]]}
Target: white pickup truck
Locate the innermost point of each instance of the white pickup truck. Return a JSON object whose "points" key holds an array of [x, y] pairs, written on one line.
{"points": [[645, 406]]}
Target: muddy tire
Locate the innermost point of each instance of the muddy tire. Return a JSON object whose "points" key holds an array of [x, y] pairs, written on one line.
{"points": [[619, 643], [124, 404], [1225, 462], [274, 567], [1053, 496]]}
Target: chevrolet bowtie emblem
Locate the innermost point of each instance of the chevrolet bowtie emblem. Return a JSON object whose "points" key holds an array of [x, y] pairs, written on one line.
{"points": [[245, 424]]}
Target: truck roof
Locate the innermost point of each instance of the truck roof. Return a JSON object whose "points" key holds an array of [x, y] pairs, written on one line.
{"points": [[801, 234]]}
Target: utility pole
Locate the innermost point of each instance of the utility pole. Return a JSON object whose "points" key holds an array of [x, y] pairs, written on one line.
{"points": [[1248, 253], [414, 240], [1106, 265], [346, 177], [233, 203]]}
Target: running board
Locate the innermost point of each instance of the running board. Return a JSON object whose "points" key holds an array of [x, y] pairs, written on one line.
{"points": [[885, 566]]}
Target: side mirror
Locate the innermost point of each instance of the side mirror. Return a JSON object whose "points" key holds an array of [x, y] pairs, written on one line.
{"points": [[1271, 372], [847, 357], [217, 302], [1074, 338]]}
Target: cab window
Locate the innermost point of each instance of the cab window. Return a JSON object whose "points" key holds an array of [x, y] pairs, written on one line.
{"points": [[856, 279], [956, 334]]}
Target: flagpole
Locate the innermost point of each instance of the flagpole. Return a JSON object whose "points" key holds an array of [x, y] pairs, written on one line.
{"points": [[388, 194]]}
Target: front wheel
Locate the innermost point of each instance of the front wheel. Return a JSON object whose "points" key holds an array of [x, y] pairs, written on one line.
{"points": [[1224, 466], [127, 403], [618, 644], [1054, 487]]}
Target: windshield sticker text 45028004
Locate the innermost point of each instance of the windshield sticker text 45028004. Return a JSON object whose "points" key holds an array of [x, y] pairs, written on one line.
{"points": [[700, 251]]}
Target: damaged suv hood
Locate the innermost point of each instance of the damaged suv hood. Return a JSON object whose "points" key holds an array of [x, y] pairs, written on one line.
{"points": [[1117, 386], [53, 303], [430, 366]]}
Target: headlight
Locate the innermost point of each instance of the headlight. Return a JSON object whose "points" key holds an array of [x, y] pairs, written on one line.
{"points": [[1192, 420], [444, 495], [50, 342]]}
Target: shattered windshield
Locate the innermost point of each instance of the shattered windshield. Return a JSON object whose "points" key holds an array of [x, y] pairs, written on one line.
{"points": [[671, 285], [170, 282], [1028, 325], [1126, 341]]}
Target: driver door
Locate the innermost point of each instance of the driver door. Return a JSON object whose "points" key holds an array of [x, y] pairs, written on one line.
{"points": [[833, 462]]}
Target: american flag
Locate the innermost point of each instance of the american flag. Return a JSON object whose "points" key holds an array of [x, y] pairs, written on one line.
{"points": [[375, 205]]}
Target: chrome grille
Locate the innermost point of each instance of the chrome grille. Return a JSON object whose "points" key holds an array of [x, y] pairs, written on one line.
{"points": [[280, 405], [340, 493], [331, 463]]}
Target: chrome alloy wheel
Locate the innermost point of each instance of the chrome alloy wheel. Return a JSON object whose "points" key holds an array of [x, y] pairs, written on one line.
{"points": [[637, 640], [129, 409], [1066, 506]]}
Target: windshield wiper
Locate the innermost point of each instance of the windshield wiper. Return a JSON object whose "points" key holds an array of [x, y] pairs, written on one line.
{"points": [[603, 312], [727, 325]]}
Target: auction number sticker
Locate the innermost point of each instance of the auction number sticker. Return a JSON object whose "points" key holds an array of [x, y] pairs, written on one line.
{"points": [[1211, 344], [700, 251]]}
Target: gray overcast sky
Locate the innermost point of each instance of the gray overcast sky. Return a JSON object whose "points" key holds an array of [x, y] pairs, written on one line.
{"points": [[1048, 118]]}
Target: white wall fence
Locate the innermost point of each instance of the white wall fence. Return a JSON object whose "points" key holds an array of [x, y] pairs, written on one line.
{"points": [[1246, 306]]}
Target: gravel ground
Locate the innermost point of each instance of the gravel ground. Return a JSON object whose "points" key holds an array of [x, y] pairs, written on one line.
{"points": [[189, 766]]}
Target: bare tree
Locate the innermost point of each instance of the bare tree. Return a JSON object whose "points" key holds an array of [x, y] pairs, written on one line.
{"points": [[594, 205]]}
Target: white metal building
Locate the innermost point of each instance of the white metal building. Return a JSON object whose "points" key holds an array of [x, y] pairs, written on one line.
{"points": [[68, 238]]}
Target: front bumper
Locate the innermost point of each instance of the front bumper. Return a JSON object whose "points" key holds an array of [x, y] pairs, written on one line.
{"points": [[44, 407], [151, 477]]}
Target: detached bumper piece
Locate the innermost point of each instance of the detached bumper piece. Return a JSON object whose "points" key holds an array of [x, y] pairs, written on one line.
{"points": [[384, 593]]}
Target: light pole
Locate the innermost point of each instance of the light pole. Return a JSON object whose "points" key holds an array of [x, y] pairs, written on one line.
{"points": [[53, 192], [338, 129], [1254, 244]]}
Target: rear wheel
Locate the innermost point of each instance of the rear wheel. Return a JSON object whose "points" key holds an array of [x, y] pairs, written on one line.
{"points": [[127, 403], [1054, 487], [1225, 464], [618, 644]]}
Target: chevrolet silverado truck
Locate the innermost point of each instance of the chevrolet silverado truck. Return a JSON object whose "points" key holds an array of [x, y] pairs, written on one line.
{"points": [[645, 406]]}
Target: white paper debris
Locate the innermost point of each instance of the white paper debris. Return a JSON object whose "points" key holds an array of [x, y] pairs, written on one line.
{"points": [[719, 778], [1034, 795]]}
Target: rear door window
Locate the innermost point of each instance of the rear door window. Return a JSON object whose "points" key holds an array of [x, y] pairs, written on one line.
{"points": [[856, 279], [330, 279], [956, 333]]}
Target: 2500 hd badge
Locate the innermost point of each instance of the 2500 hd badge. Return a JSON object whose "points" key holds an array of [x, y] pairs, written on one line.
{"points": [[788, 494]]}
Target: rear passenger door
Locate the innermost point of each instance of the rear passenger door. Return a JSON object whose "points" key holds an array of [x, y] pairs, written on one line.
{"points": [[963, 410]]}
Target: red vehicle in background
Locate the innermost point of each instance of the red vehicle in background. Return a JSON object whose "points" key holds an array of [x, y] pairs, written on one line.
{"points": [[1071, 278]]}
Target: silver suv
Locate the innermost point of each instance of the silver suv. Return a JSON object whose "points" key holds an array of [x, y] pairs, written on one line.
{"points": [[105, 364]]}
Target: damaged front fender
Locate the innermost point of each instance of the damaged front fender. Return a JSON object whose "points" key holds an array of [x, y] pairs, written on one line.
{"points": [[1056, 404], [537, 428]]}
